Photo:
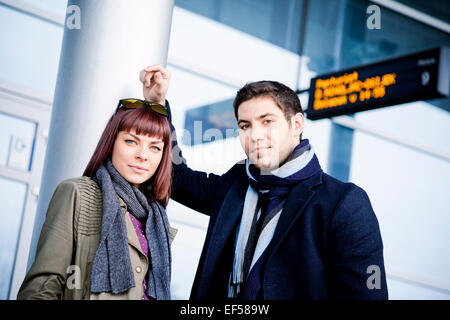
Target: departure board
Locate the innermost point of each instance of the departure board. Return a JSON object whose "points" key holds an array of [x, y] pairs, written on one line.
{"points": [[420, 76]]}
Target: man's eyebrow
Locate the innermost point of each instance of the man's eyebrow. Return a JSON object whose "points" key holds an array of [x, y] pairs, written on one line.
{"points": [[240, 121], [259, 117], [266, 115]]}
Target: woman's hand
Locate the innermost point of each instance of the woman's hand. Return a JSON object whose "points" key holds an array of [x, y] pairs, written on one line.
{"points": [[155, 80]]}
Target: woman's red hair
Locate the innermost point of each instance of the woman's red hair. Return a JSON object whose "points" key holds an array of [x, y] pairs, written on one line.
{"points": [[146, 122]]}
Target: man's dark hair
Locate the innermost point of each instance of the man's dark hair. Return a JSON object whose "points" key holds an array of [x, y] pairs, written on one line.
{"points": [[286, 99]]}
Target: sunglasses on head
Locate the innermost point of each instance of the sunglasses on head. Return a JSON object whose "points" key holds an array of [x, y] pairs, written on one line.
{"points": [[138, 103]]}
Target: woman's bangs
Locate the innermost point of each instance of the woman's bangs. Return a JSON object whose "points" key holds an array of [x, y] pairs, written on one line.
{"points": [[145, 122]]}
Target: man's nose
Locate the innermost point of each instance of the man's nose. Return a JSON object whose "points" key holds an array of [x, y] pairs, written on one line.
{"points": [[257, 134]]}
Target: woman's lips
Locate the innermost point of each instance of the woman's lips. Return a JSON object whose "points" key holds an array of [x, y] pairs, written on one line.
{"points": [[138, 169]]}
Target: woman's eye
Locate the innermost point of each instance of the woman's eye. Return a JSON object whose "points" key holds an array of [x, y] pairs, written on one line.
{"points": [[267, 121], [155, 148], [130, 141]]}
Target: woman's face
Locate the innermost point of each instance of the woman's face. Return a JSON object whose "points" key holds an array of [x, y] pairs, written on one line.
{"points": [[136, 157]]}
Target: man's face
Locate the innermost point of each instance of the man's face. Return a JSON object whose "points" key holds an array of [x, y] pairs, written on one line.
{"points": [[266, 136]]}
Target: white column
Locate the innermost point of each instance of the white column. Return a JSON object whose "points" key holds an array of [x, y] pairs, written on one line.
{"points": [[99, 64]]}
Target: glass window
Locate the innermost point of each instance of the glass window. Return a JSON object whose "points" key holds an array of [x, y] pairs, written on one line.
{"points": [[57, 7], [418, 122], [215, 121], [275, 21], [435, 8], [186, 250], [409, 194], [13, 199], [407, 187], [215, 98], [401, 288], [16, 142], [31, 57], [337, 37]]}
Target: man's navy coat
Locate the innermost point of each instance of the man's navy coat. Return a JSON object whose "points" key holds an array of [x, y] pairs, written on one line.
{"points": [[327, 244]]}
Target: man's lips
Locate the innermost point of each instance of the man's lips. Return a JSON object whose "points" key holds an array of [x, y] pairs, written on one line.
{"points": [[138, 169], [259, 149]]}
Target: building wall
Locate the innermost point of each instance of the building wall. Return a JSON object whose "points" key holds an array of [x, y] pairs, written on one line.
{"points": [[399, 155]]}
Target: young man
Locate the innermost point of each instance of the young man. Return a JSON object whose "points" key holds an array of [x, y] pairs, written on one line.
{"points": [[279, 227]]}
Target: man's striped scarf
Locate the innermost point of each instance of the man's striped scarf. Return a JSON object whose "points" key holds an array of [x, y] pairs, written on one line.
{"points": [[263, 205]]}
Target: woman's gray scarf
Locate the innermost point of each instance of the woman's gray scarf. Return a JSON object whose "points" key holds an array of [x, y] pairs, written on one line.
{"points": [[111, 269]]}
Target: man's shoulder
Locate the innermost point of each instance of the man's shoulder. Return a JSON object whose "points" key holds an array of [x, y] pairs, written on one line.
{"points": [[337, 188], [334, 182], [342, 203], [237, 170]]}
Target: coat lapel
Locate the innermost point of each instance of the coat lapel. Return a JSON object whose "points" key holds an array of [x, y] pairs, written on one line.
{"points": [[296, 202], [231, 212], [133, 239], [227, 217]]}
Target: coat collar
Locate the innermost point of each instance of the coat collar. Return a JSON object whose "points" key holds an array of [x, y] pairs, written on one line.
{"points": [[228, 216], [231, 212], [296, 202], [132, 236]]}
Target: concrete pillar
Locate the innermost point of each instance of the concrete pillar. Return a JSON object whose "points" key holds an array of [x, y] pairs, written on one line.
{"points": [[99, 64]]}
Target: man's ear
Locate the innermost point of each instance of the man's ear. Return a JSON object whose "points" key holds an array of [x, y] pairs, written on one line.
{"points": [[297, 123]]}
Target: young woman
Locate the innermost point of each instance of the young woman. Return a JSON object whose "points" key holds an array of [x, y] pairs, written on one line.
{"points": [[106, 234]]}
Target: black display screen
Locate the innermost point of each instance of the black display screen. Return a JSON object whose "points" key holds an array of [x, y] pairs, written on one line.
{"points": [[420, 76]]}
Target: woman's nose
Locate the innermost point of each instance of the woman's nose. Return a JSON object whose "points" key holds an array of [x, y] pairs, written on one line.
{"points": [[141, 154]]}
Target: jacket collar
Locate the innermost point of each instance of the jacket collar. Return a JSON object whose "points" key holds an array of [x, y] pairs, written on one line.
{"points": [[228, 216], [132, 236], [296, 202], [231, 212]]}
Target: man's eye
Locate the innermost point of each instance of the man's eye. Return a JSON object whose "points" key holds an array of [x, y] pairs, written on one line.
{"points": [[243, 127], [267, 121]]}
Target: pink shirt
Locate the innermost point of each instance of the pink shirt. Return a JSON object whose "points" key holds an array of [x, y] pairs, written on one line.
{"points": [[140, 231]]}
